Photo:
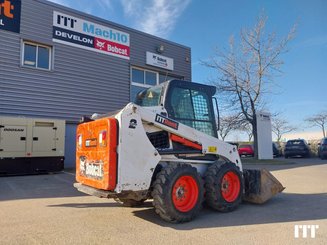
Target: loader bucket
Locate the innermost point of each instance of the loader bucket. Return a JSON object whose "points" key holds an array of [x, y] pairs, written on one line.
{"points": [[260, 186]]}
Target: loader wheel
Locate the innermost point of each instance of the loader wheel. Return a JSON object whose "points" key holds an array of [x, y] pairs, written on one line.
{"points": [[131, 202], [178, 193], [224, 187]]}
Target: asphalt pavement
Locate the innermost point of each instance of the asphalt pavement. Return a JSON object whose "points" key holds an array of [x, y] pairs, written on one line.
{"points": [[46, 209]]}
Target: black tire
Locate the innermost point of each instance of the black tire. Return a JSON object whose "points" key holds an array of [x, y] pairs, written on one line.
{"points": [[166, 205], [131, 202], [216, 187]]}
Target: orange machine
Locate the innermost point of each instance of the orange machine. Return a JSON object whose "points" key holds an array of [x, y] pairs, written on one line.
{"points": [[96, 151]]}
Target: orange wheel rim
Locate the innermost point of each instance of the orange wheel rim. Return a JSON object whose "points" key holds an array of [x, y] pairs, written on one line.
{"points": [[185, 193], [230, 186]]}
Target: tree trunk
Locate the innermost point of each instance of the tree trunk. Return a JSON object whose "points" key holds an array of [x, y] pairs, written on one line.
{"points": [[279, 137]]}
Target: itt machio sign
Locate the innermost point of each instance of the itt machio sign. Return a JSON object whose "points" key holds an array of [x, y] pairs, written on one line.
{"points": [[159, 61], [87, 35], [10, 15]]}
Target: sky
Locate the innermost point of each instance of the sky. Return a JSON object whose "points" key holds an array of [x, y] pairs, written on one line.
{"points": [[300, 90]]}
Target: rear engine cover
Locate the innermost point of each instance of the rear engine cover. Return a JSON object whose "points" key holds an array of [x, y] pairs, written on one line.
{"points": [[96, 153]]}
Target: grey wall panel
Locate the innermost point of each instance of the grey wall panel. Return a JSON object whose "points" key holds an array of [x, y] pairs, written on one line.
{"points": [[9, 50], [81, 82], [179, 53]]}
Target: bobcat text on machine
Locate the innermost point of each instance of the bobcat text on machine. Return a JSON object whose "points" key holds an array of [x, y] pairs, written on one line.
{"points": [[165, 147]]}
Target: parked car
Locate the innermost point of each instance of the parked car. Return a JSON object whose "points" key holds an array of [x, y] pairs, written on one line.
{"points": [[246, 150], [277, 151], [297, 147], [322, 148]]}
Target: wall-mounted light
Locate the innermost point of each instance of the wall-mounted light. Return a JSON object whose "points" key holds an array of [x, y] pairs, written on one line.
{"points": [[160, 49]]}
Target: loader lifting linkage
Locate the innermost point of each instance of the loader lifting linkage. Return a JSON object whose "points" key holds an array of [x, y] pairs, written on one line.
{"points": [[165, 147]]}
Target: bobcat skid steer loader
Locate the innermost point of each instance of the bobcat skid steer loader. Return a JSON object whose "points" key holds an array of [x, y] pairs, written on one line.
{"points": [[165, 147]]}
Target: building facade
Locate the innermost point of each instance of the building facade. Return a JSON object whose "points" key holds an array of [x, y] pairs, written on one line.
{"points": [[59, 63]]}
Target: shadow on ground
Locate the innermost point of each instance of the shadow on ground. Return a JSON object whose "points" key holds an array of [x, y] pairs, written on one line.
{"points": [[283, 208], [286, 207], [147, 204]]}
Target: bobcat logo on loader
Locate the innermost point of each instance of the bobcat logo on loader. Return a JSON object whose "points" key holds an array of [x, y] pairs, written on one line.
{"points": [[92, 169]]}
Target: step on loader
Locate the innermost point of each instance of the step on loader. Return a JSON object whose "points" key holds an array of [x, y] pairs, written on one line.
{"points": [[165, 147]]}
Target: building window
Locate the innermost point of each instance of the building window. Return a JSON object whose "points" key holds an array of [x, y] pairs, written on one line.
{"points": [[142, 79], [151, 78], [36, 55], [137, 76]]}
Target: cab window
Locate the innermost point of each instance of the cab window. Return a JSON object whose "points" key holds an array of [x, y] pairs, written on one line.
{"points": [[149, 97], [192, 108]]}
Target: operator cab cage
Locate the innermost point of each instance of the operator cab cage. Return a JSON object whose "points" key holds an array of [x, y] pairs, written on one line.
{"points": [[188, 103]]}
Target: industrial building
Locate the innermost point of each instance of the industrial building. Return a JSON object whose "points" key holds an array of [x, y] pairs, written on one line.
{"points": [[56, 62]]}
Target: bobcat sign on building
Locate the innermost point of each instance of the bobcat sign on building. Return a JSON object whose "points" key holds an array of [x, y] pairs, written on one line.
{"points": [[84, 34]]}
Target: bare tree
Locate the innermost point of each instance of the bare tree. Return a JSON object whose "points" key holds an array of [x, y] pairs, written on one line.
{"points": [[227, 125], [319, 120], [246, 70], [247, 128], [280, 127]]}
